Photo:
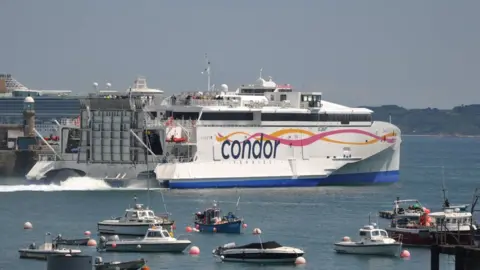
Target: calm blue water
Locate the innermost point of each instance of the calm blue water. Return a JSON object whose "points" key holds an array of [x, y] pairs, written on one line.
{"points": [[311, 219]]}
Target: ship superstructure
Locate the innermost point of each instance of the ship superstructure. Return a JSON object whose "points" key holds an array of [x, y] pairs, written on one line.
{"points": [[261, 135], [51, 105]]}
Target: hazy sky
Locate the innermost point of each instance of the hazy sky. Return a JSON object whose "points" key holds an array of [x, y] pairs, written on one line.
{"points": [[415, 53]]}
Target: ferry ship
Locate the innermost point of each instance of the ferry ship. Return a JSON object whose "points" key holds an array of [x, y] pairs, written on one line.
{"points": [[261, 135]]}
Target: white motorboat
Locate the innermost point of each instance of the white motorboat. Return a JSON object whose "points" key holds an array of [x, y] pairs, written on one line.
{"points": [[259, 252], [156, 239], [135, 222], [45, 250], [373, 241]]}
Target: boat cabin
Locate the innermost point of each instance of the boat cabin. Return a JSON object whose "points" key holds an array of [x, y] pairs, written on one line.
{"points": [[407, 207], [452, 219], [369, 232], [139, 213], [209, 216], [157, 232]]}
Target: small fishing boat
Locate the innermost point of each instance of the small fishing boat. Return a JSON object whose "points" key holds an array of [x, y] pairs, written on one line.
{"points": [[45, 250], [135, 221], [129, 265], [59, 240], [404, 208], [212, 220], [156, 239], [258, 252], [373, 241]]}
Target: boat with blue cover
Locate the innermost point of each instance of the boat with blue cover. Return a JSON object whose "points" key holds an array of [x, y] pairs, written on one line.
{"points": [[212, 220]]}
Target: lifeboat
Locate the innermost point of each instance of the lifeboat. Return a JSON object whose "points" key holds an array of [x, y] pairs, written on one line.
{"points": [[177, 140]]}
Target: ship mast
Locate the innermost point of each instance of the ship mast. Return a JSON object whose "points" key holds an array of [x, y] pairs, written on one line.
{"points": [[208, 71]]}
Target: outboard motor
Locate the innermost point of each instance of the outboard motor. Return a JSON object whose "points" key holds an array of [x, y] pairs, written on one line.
{"points": [[103, 239], [114, 238], [98, 260]]}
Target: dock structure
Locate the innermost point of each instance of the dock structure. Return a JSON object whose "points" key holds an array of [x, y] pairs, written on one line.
{"points": [[466, 257]]}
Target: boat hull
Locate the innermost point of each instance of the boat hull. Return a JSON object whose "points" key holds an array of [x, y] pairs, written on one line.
{"points": [[72, 242], [132, 265], [412, 237], [369, 249], [453, 238], [426, 237], [385, 177], [260, 256], [232, 227], [138, 246], [135, 229], [43, 254]]}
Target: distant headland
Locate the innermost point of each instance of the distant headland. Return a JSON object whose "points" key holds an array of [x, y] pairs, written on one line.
{"points": [[462, 121]]}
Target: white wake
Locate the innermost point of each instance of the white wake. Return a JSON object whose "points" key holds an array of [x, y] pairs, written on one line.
{"points": [[71, 184]]}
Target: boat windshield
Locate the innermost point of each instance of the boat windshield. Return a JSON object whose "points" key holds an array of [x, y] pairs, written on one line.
{"points": [[165, 234], [155, 234], [150, 214]]}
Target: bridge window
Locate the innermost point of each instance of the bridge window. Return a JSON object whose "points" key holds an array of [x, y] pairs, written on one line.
{"points": [[313, 117], [227, 116], [182, 115]]}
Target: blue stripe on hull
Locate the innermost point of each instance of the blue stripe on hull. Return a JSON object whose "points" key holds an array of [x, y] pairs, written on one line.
{"points": [[385, 177]]}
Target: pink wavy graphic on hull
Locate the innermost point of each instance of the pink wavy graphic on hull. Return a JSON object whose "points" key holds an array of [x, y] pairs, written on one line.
{"points": [[314, 138]]}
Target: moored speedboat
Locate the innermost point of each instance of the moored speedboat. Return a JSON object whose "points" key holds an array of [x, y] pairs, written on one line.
{"points": [[60, 240], [135, 222], [259, 252], [211, 220], [45, 250], [155, 240], [373, 241]]}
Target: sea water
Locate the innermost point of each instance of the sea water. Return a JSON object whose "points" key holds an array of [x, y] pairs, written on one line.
{"points": [[308, 218]]}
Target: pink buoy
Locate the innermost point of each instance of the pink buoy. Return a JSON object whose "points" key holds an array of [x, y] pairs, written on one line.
{"points": [[257, 231], [114, 245], [197, 226], [346, 239], [27, 226], [188, 229], [405, 254], [300, 260], [244, 225], [92, 243], [194, 250], [87, 233]]}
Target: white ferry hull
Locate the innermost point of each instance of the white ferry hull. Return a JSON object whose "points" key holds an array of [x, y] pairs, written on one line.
{"points": [[381, 168], [115, 175], [288, 157]]}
